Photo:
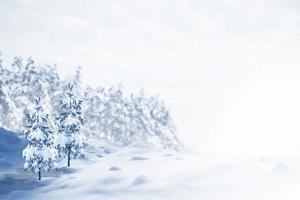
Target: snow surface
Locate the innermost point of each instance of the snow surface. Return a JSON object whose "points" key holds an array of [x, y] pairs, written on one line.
{"points": [[142, 172]]}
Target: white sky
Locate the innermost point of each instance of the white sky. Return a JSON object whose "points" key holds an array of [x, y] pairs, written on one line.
{"points": [[228, 69]]}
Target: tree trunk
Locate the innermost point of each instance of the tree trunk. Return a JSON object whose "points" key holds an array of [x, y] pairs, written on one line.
{"points": [[69, 159], [40, 175]]}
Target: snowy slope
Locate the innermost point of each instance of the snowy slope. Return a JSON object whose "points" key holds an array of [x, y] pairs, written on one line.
{"points": [[142, 172], [11, 146]]}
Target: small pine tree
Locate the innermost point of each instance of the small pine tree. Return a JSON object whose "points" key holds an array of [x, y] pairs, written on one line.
{"points": [[69, 141], [40, 153]]}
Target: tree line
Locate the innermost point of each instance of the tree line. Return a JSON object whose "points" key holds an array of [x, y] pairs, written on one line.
{"points": [[110, 114]]}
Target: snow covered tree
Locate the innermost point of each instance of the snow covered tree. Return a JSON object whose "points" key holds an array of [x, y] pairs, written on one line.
{"points": [[162, 126], [114, 117], [40, 154], [8, 110], [140, 120], [109, 113], [69, 141], [95, 101], [9, 114], [21, 82]]}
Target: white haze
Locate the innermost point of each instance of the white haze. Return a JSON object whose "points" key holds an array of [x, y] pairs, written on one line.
{"points": [[229, 70]]}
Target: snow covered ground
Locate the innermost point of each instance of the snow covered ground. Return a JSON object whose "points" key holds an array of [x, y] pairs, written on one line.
{"points": [[142, 172]]}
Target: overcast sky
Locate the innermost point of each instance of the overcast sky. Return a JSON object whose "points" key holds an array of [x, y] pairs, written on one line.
{"points": [[229, 70]]}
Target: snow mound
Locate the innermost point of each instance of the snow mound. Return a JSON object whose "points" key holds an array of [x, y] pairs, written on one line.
{"points": [[139, 180], [114, 168]]}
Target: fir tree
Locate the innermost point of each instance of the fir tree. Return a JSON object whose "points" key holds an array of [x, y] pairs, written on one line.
{"points": [[69, 142], [40, 153]]}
